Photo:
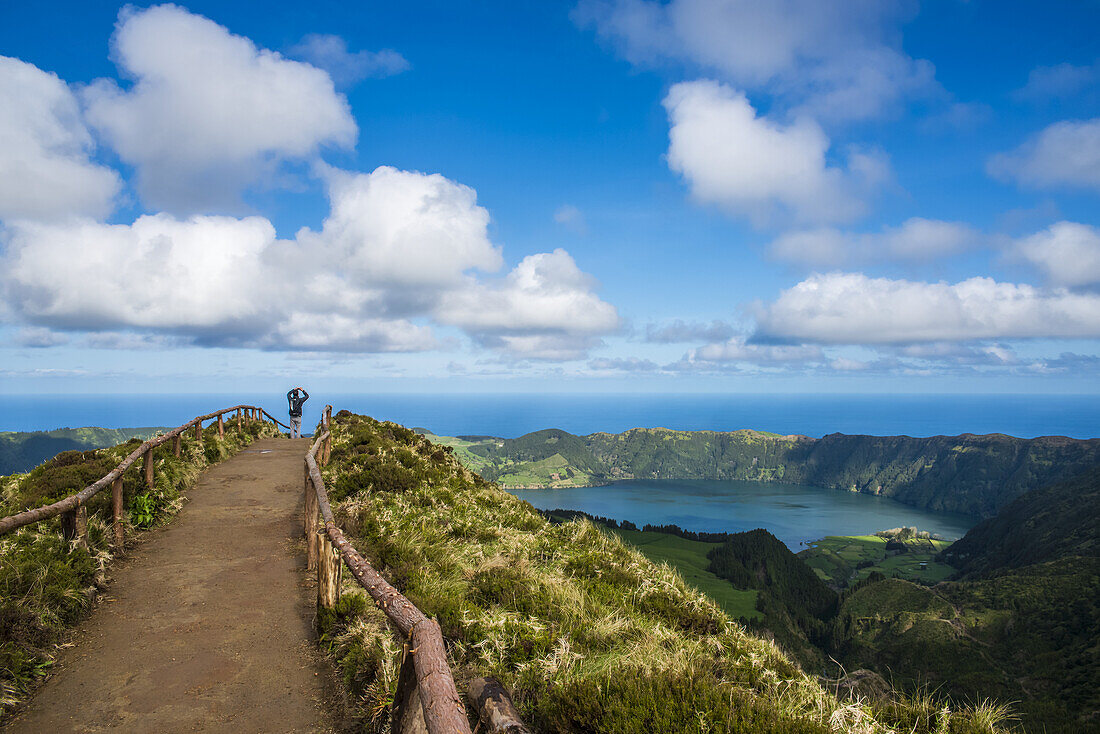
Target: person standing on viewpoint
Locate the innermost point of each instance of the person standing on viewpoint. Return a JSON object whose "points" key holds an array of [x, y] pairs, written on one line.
{"points": [[296, 397]]}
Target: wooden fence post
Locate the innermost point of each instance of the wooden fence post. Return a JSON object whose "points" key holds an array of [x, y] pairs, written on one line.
{"points": [[311, 523], [407, 713], [198, 431], [116, 508], [328, 573], [238, 419], [74, 526], [176, 445], [221, 426], [327, 449], [147, 465]]}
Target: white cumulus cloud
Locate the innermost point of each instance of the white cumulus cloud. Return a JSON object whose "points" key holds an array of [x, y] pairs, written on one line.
{"points": [[338, 332], [546, 307], [1065, 154], [1046, 83], [755, 166], [345, 67], [399, 253], [840, 59], [916, 239], [623, 364], [738, 350], [852, 308], [46, 171], [403, 228], [38, 337], [678, 330], [208, 112], [1068, 253], [204, 273]]}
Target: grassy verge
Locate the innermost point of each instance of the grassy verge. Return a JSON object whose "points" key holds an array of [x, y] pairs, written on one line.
{"points": [[47, 584], [587, 633]]}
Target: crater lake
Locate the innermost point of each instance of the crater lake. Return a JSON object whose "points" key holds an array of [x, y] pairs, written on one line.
{"points": [[795, 514]]}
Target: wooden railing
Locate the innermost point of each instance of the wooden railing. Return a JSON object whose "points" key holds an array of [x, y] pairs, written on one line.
{"points": [[426, 698], [73, 510]]}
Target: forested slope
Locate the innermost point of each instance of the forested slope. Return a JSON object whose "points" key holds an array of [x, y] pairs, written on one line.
{"points": [[1022, 623], [1045, 525]]}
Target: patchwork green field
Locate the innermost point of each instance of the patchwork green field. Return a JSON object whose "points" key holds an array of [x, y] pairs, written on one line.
{"points": [[460, 448], [842, 560], [554, 471]]}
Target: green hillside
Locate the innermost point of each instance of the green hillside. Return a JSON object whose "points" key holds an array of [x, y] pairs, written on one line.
{"points": [[1044, 525], [1028, 636], [22, 451], [587, 633], [794, 603], [970, 474], [1021, 624]]}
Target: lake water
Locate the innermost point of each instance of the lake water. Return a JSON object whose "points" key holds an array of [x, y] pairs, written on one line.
{"points": [[512, 414], [795, 514]]}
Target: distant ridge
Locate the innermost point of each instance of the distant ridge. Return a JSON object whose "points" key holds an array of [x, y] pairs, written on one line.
{"points": [[969, 473], [21, 451]]}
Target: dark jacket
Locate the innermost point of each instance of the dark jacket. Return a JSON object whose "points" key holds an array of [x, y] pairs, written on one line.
{"points": [[296, 401]]}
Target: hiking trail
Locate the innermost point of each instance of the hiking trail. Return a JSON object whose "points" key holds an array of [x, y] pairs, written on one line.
{"points": [[207, 624]]}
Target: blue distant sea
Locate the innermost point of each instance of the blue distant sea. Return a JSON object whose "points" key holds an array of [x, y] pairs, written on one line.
{"points": [[510, 415]]}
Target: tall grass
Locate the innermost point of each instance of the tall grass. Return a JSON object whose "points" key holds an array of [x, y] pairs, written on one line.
{"points": [[588, 634]]}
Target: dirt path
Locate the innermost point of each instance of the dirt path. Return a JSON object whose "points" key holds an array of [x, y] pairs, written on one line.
{"points": [[208, 625]]}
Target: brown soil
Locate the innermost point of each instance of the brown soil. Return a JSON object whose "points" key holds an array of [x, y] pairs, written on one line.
{"points": [[208, 624]]}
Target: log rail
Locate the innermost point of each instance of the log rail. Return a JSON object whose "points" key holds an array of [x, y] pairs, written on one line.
{"points": [[427, 699], [73, 509]]}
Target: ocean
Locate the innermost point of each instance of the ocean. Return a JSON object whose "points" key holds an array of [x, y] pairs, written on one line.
{"points": [[510, 414]]}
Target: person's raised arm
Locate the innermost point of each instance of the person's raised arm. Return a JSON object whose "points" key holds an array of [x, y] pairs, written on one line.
{"points": [[304, 393]]}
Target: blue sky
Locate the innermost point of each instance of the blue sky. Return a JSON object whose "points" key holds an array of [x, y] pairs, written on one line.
{"points": [[620, 195]]}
